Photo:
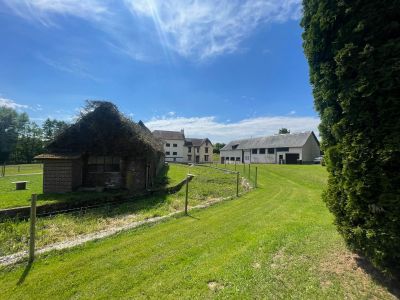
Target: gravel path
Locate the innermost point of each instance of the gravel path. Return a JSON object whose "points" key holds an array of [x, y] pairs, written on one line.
{"points": [[16, 257]]}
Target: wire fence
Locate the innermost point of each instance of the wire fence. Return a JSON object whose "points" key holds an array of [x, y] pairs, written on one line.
{"points": [[22, 169], [210, 184]]}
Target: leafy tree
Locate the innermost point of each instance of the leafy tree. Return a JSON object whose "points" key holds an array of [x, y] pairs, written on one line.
{"points": [[284, 131], [10, 124], [29, 143], [51, 128], [353, 49], [218, 147]]}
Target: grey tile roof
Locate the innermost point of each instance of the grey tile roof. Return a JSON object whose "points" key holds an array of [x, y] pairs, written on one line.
{"points": [[169, 135], [274, 141]]}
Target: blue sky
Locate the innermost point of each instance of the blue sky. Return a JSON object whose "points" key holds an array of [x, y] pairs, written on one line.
{"points": [[223, 69]]}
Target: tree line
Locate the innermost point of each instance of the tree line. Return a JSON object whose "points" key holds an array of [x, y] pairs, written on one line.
{"points": [[22, 139]]}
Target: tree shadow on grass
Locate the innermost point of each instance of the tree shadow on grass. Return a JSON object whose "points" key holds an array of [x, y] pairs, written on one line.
{"points": [[391, 284], [25, 273]]}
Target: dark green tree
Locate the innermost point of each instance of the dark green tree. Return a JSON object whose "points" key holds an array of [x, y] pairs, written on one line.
{"points": [[353, 50], [284, 131], [52, 127], [218, 147], [29, 143], [11, 123]]}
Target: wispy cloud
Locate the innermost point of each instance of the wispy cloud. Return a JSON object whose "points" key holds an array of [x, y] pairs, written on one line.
{"points": [[70, 65], [227, 131], [208, 28], [193, 29], [43, 10], [9, 103]]}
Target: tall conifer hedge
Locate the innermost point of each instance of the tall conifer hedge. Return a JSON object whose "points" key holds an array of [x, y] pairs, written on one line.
{"points": [[353, 49]]}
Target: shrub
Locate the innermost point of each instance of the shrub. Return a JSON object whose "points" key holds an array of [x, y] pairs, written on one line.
{"points": [[353, 49]]}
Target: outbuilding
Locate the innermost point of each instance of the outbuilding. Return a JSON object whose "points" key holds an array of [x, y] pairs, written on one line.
{"points": [[103, 149], [281, 148]]}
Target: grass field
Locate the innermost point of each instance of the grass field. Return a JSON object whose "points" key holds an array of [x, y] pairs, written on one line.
{"points": [[277, 242], [207, 184]]}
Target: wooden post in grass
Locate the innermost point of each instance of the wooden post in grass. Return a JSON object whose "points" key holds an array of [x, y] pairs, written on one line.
{"points": [[255, 184], [235, 164], [187, 194], [237, 184], [249, 173], [32, 228]]}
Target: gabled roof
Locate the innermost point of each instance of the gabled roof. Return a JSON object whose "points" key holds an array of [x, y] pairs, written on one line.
{"points": [[103, 130], [169, 135], [274, 141], [196, 142]]}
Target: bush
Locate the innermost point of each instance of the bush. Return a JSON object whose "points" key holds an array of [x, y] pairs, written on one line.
{"points": [[353, 49]]}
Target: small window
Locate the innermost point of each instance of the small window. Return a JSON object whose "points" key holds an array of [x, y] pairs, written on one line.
{"points": [[205, 157], [168, 153], [234, 147], [175, 153], [232, 158], [101, 164], [189, 157], [282, 149], [253, 151], [189, 149], [271, 150], [262, 151], [237, 158], [175, 145], [168, 145], [206, 149], [197, 149]]}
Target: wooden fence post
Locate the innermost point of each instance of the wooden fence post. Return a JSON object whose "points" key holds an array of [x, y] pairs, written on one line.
{"points": [[187, 194], [256, 177], [32, 228], [237, 184]]}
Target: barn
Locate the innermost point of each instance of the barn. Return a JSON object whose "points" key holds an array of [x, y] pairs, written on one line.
{"points": [[103, 149], [292, 148]]}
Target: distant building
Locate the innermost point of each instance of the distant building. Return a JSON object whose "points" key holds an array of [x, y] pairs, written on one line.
{"points": [[282, 148], [177, 148], [102, 149]]}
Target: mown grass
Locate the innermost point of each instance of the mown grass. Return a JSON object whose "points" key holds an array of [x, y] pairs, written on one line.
{"points": [[23, 169], [207, 184], [277, 242]]}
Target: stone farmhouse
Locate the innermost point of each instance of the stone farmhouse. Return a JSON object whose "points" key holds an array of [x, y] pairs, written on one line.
{"points": [[103, 149], [178, 148], [282, 148]]}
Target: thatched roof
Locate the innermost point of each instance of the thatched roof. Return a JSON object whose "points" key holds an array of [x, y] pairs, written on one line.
{"points": [[103, 130]]}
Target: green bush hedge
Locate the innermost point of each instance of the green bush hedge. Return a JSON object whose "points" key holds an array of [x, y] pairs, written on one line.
{"points": [[353, 49]]}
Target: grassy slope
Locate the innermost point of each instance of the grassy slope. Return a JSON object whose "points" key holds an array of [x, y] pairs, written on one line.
{"points": [[23, 169], [207, 185], [276, 242]]}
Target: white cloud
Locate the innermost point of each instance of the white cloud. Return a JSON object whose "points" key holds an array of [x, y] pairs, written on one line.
{"points": [[225, 132], [196, 29], [42, 10], [12, 104], [208, 28], [292, 112]]}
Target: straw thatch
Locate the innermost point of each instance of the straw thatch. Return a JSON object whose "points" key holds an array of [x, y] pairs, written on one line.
{"points": [[103, 130]]}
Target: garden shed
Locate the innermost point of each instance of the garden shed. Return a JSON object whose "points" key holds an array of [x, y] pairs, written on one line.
{"points": [[103, 149]]}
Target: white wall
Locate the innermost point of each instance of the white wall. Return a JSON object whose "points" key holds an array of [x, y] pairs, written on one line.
{"points": [[231, 153], [180, 151], [311, 150]]}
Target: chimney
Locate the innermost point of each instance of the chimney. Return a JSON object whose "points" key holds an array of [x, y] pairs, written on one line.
{"points": [[182, 131]]}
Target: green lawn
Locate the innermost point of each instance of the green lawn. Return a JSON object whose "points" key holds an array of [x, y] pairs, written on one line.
{"points": [[24, 169], [277, 242], [9, 197], [207, 184]]}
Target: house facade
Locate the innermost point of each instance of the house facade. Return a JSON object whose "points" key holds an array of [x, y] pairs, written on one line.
{"points": [[282, 148], [178, 148], [103, 149]]}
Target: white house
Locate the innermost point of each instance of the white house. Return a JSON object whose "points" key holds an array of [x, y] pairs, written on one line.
{"points": [[180, 149], [282, 148]]}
